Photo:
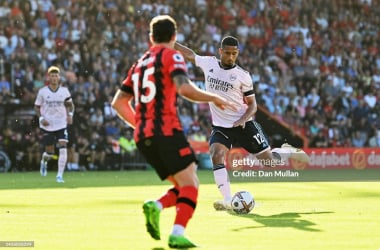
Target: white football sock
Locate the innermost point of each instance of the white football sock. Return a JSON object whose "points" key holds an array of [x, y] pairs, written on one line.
{"points": [[223, 183], [46, 156], [62, 159], [178, 230], [159, 205]]}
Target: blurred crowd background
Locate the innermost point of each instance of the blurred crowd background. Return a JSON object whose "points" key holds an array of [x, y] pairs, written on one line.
{"points": [[315, 65]]}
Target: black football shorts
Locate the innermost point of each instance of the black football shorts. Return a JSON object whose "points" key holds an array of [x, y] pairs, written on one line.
{"points": [[168, 155], [52, 137], [252, 137]]}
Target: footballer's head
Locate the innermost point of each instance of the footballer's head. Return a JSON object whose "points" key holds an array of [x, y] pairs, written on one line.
{"points": [[229, 51], [229, 41], [163, 29], [53, 73]]}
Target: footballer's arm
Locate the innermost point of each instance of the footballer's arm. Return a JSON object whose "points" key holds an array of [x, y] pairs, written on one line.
{"points": [[187, 89], [122, 103], [251, 111], [188, 53], [70, 107]]}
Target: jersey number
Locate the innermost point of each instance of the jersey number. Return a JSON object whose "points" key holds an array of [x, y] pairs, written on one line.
{"points": [[259, 138], [146, 84]]}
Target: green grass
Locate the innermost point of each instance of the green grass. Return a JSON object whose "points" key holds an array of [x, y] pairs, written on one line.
{"points": [[102, 210]]}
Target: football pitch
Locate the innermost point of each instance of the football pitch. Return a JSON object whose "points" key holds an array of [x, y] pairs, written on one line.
{"points": [[102, 210]]}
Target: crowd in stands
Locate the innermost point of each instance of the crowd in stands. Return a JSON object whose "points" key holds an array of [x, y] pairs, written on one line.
{"points": [[315, 64]]}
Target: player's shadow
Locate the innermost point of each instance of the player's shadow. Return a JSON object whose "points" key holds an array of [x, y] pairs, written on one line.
{"points": [[293, 220]]}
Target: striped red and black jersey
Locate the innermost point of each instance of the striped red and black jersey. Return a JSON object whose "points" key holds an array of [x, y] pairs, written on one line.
{"points": [[155, 93]]}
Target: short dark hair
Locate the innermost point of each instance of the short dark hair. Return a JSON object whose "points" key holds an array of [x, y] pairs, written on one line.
{"points": [[162, 28], [230, 41]]}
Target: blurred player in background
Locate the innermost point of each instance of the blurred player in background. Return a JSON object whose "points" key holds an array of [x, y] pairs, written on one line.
{"points": [[231, 128], [72, 149], [55, 110], [154, 81]]}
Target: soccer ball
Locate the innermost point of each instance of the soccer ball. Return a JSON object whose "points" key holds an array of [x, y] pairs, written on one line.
{"points": [[242, 202]]}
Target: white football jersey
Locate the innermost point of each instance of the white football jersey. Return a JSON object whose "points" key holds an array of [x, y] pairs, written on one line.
{"points": [[52, 107], [231, 84]]}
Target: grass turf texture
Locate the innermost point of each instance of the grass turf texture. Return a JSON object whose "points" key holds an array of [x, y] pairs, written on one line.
{"points": [[102, 210]]}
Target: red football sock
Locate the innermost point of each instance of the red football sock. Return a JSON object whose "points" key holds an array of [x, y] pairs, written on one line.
{"points": [[186, 203], [169, 199]]}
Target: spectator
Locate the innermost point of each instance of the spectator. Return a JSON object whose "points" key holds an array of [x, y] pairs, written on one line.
{"points": [[320, 140], [374, 141], [288, 52], [5, 86], [370, 99], [196, 134], [33, 150], [112, 128], [185, 119], [359, 139], [96, 149], [97, 118], [128, 146], [84, 151]]}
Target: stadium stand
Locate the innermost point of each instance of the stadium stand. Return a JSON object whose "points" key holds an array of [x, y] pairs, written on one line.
{"points": [[315, 64]]}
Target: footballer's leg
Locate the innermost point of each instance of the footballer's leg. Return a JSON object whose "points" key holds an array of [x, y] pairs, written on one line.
{"points": [[152, 218], [185, 178], [219, 145], [152, 209], [275, 156], [46, 156], [48, 140], [186, 203], [62, 159], [63, 139], [221, 177], [259, 145], [267, 158], [169, 198], [287, 151]]}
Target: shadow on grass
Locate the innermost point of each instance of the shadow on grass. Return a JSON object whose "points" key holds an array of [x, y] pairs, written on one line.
{"points": [[292, 220]]}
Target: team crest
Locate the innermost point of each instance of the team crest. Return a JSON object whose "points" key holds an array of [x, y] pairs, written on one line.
{"points": [[233, 77], [177, 57]]}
